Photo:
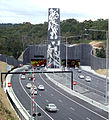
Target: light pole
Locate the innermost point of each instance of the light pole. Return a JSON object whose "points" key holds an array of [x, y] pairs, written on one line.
{"points": [[107, 38], [66, 38], [66, 46], [66, 53]]}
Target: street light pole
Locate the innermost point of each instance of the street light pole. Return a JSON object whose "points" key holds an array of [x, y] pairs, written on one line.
{"points": [[66, 38], [107, 44], [66, 53], [106, 67]]}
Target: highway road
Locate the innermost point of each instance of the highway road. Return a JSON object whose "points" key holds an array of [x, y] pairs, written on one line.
{"points": [[97, 84], [70, 107]]}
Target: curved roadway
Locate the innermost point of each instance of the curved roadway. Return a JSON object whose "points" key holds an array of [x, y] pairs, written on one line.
{"points": [[70, 107]]}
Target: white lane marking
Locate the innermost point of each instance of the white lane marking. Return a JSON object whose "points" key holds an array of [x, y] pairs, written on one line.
{"points": [[28, 110], [52, 95], [88, 118], [100, 78], [88, 86], [73, 100], [60, 100], [70, 118], [39, 94], [46, 100], [35, 102], [72, 108]]}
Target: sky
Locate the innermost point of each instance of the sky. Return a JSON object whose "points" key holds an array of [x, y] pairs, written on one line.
{"points": [[36, 11]]}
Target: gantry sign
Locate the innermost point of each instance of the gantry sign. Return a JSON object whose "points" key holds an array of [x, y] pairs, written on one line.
{"points": [[53, 51]]}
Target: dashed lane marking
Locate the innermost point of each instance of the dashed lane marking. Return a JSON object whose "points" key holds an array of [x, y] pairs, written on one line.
{"points": [[72, 108]]}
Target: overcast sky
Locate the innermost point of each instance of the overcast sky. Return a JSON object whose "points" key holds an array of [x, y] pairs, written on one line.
{"points": [[36, 11]]}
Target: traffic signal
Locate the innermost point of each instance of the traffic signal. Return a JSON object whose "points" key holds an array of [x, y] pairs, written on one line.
{"points": [[34, 114], [38, 114]]}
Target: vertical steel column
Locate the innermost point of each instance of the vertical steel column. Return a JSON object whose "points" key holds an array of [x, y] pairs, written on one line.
{"points": [[72, 80]]}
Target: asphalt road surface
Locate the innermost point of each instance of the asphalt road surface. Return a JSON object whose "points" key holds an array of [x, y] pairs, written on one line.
{"points": [[70, 107]]}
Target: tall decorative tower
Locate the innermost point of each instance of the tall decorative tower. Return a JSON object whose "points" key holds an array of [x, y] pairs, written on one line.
{"points": [[53, 52]]}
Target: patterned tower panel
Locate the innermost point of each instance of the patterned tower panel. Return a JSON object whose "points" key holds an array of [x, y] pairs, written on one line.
{"points": [[53, 52]]}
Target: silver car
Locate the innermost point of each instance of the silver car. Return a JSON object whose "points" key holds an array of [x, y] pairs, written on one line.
{"points": [[88, 79], [79, 71], [41, 87], [23, 77], [51, 108], [81, 76], [35, 92], [28, 85]]}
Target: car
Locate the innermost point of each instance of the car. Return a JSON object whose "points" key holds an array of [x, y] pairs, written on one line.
{"points": [[76, 68], [35, 90], [79, 71], [88, 79], [70, 69], [38, 68], [30, 77], [23, 77], [26, 69], [42, 65], [29, 85], [41, 87], [81, 76], [51, 107]]}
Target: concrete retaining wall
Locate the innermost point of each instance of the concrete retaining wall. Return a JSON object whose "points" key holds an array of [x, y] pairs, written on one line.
{"points": [[81, 51]]}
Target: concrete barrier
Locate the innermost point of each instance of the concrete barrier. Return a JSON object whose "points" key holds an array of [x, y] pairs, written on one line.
{"points": [[24, 115]]}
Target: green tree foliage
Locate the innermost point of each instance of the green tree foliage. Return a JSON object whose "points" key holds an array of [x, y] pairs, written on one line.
{"points": [[15, 37], [101, 52]]}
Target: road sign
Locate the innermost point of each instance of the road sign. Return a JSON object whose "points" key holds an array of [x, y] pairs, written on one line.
{"points": [[74, 82], [9, 84]]}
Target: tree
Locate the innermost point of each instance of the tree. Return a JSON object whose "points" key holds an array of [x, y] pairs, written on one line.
{"points": [[101, 52]]}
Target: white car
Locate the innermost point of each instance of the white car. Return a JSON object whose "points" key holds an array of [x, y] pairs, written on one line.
{"points": [[23, 77], [42, 65], [79, 71], [29, 85], [51, 108], [35, 92], [41, 87], [88, 79], [35, 88], [76, 68], [81, 76]]}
